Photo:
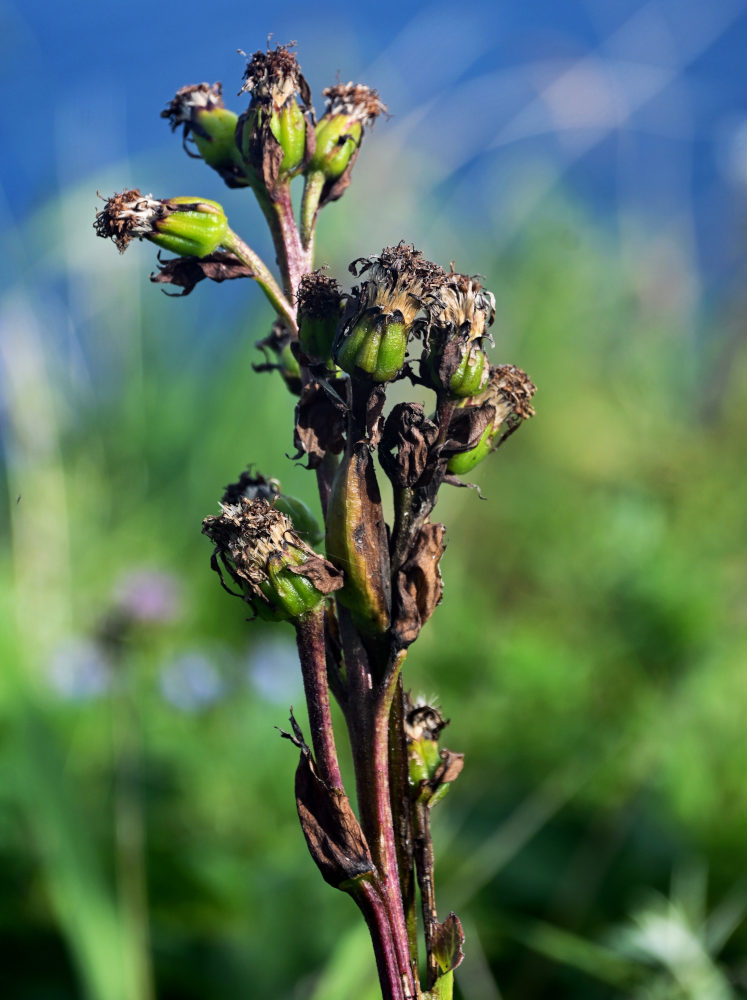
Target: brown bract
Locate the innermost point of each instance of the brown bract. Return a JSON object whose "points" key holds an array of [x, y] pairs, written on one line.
{"points": [[406, 444], [448, 939], [320, 423], [418, 586], [186, 272]]}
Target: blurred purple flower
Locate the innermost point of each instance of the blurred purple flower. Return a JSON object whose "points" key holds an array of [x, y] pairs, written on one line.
{"points": [[148, 596], [191, 681], [79, 670]]}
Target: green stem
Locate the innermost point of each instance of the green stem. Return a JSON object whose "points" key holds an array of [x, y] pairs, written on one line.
{"points": [[129, 830], [263, 276], [312, 192]]}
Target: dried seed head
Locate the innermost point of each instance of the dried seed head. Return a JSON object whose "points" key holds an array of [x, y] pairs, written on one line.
{"points": [[399, 279], [318, 295], [462, 305], [279, 574], [319, 301], [354, 101], [189, 101], [274, 77], [495, 414], [458, 314], [422, 721], [190, 227], [128, 216], [510, 390]]}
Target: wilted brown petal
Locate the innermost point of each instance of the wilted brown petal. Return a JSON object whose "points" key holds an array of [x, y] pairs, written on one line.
{"points": [[186, 272]]}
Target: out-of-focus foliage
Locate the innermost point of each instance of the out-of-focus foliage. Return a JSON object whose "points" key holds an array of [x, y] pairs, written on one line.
{"points": [[590, 648]]}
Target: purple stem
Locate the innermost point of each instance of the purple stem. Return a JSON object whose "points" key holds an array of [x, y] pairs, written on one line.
{"points": [[312, 652]]}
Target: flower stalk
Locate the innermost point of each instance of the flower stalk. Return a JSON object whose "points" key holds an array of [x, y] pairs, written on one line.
{"points": [[358, 607]]}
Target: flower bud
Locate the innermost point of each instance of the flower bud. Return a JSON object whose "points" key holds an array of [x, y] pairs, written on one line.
{"points": [[505, 404], [431, 770], [319, 309], [189, 227], [382, 314], [212, 128], [459, 314], [250, 487], [278, 574], [350, 109]]}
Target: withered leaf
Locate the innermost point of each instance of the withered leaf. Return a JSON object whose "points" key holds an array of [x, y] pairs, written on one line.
{"points": [[447, 942], [411, 435], [333, 834], [186, 272], [419, 585], [320, 423], [449, 769], [322, 574], [466, 427]]}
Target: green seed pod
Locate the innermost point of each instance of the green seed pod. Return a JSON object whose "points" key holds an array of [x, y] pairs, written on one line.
{"points": [[289, 128], [336, 141], [278, 574], [210, 125], [357, 541], [382, 314], [274, 135], [461, 464], [459, 313], [376, 345], [189, 227], [339, 133], [319, 309], [251, 486], [504, 404]]}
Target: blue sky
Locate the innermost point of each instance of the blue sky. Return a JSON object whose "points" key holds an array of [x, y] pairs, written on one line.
{"points": [[633, 106]]}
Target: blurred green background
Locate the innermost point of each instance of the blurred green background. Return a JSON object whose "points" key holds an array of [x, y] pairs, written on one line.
{"points": [[590, 649]]}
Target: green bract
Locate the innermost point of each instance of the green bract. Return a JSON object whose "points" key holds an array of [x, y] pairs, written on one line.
{"points": [[337, 138], [190, 227], [289, 128], [375, 345]]}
